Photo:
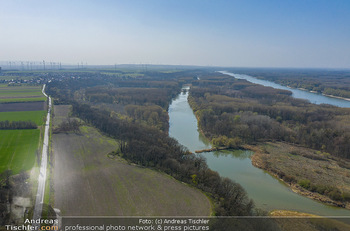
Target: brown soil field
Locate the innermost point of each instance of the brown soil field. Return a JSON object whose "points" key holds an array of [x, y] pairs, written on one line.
{"points": [[28, 106], [88, 183]]}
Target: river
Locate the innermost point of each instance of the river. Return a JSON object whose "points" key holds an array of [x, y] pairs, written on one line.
{"points": [[267, 192], [315, 98]]}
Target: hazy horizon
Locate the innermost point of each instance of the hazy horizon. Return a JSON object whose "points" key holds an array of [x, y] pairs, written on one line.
{"points": [[38, 66], [247, 34]]}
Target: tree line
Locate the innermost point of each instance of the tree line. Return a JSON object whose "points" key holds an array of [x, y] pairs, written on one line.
{"points": [[131, 95], [70, 125], [17, 125]]}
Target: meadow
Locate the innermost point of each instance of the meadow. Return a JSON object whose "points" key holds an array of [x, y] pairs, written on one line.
{"points": [[18, 149], [305, 168]]}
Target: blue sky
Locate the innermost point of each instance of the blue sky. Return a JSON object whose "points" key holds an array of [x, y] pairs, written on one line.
{"points": [[246, 33]]}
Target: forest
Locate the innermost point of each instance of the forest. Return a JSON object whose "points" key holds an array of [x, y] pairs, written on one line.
{"points": [[238, 112], [235, 113], [146, 105], [144, 99]]}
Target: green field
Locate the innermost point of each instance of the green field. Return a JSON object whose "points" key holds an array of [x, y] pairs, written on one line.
{"points": [[18, 149], [13, 100], [35, 116]]}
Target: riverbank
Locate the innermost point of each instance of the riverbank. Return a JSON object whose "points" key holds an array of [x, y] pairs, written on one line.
{"points": [[315, 92], [293, 165], [260, 161], [312, 96], [267, 192], [337, 97]]}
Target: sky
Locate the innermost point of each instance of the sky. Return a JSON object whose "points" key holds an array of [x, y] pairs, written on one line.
{"points": [[244, 33]]}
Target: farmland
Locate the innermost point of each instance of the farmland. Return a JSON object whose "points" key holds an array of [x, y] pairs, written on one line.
{"points": [[11, 100], [88, 182], [35, 116], [23, 93], [18, 149], [27, 106]]}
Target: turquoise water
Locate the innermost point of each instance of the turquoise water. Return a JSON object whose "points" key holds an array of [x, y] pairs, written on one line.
{"points": [[266, 191]]}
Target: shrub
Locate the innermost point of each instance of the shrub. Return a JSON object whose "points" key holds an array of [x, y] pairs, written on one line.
{"points": [[304, 183], [335, 194], [321, 189], [346, 196], [288, 178]]}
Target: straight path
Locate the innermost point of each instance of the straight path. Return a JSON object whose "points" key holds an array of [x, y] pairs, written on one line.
{"points": [[43, 167]]}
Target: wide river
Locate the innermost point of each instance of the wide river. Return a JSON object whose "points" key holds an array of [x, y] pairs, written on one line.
{"points": [[315, 98], [267, 192]]}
